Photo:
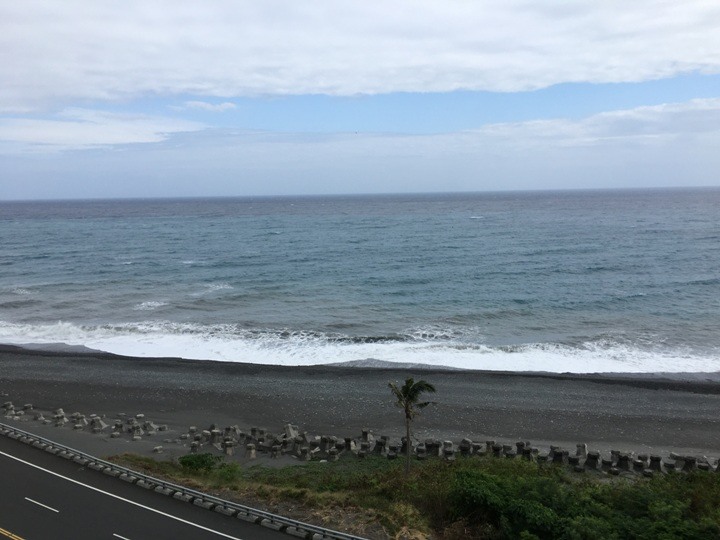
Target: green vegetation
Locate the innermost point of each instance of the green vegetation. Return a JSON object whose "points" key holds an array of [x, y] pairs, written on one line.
{"points": [[477, 497], [199, 462], [408, 399]]}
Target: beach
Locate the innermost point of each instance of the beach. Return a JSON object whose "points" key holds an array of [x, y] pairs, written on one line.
{"points": [[652, 413]]}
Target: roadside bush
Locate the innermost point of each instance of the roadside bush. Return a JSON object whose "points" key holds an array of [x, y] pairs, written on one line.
{"points": [[477, 498], [534, 506], [197, 463], [228, 472], [513, 505]]}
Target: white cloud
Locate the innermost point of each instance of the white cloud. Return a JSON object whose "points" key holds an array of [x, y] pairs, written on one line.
{"points": [[668, 145], [210, 107], [83, 128], [73, 49], [669, 120], [76, 128]]}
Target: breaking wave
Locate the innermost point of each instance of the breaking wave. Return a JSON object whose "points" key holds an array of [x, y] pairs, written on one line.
{"points": [[431, 347]]}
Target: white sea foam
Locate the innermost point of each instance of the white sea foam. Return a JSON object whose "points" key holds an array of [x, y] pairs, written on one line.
{"points": [[212, 287], [218, 286], [228, 343], [22, 291], [149, 306]]}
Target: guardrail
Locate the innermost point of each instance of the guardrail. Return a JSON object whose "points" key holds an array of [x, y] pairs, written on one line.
{"points": [[210, 502]]}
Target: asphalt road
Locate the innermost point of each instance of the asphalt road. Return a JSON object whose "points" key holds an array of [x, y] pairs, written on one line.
{"points": [[45, 497]]}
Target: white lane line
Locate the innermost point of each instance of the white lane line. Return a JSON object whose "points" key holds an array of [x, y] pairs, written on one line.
{"points": [[213, 531], [43, 505], [120, 537]]}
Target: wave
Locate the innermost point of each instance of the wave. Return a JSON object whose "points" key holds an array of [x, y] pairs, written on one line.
{"points": [[212, 287], [149, 306], [434, 347], [21, 291], [22, 303]]}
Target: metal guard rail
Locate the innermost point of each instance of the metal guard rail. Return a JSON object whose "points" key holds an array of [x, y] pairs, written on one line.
{"points": [[196, 497]]}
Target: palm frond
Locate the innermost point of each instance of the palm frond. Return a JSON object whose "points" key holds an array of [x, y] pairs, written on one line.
{"points": [[425, 404]]}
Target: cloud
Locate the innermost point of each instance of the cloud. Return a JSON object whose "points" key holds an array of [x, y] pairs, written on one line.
{"points": [[59, 51], [669, 145], [671, 120], [211, 107], [76, 128]]}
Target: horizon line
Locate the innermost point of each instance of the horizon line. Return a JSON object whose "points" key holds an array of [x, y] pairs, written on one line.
{"points": [[364, 194]]}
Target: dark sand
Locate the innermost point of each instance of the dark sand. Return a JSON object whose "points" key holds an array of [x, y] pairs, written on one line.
{"points": [[655, 414]]}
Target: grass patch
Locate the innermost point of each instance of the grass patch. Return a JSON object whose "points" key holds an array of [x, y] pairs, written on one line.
{"points": [[479, 497]]}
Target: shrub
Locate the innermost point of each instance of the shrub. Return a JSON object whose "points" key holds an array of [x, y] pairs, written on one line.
{"points": [[197, 463], [228, 472]]}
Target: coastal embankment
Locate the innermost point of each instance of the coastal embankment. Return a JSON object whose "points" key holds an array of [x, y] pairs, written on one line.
{"points": [[645, 413]]}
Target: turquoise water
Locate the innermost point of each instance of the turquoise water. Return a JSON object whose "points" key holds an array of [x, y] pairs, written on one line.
{"points": [[551, 281]]}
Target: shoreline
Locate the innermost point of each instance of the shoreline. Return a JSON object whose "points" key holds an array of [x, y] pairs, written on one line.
{"points": [[631, 412], [62, 349]]}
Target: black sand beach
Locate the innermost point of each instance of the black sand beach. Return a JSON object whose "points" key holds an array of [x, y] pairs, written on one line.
{"points": [[655, 414]]}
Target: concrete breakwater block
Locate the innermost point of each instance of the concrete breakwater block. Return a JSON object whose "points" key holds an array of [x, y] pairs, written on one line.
{"points": [[623, 462], [367, 436], [557, 455], [448, 451], [392, 451], [380, 448], [592, 461], [421, 451], [259, 442], [228, 447]]}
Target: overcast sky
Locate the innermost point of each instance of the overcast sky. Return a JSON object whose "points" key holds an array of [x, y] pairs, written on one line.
{"points": [[187, 98]]}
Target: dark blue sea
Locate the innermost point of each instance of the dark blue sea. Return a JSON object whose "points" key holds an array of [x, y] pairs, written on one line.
{"points": [[583, 281]]}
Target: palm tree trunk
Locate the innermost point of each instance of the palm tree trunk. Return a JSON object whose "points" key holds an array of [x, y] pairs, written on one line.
{"points": [[407, 446]]}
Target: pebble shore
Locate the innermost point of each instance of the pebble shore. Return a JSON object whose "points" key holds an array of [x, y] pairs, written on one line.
{"points": [[639, 415]]}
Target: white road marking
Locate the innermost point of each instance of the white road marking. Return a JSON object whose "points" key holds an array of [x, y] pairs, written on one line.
{"points": [[120, 537], [121, 498], [43, 505]]}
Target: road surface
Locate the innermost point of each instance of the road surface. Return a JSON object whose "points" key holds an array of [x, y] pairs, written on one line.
{"points": [[45, 497]]}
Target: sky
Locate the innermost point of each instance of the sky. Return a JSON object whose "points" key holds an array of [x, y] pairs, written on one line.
{"points": [[182, 98]]}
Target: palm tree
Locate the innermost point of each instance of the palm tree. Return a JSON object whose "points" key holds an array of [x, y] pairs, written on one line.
{"points": [[408, 399]]}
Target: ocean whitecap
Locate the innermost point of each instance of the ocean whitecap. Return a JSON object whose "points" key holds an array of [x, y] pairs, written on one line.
{"points": [[149, 306]]}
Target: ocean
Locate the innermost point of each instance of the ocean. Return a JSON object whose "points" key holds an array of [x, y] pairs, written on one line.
{"points": [[574, 281]]}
